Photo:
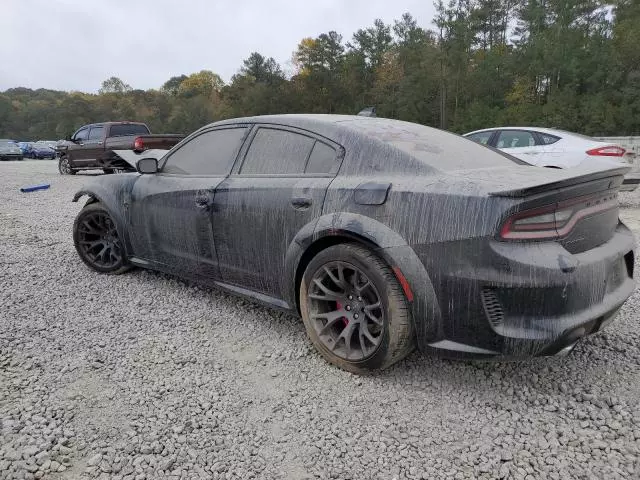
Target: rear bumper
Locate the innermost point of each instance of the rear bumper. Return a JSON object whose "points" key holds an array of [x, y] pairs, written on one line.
{"points": [[630, 183], [513, 300]]}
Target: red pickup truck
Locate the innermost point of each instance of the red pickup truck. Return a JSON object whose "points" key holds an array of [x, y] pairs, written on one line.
{"points": [[92, 146]]}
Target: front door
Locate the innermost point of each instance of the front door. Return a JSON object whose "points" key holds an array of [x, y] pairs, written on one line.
{"points": [[76, 151], [278, 189], [170, 212]]}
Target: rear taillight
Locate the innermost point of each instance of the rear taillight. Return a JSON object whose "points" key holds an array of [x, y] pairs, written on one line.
{"points": [[554, 221], [610, 151], [138, 144]]}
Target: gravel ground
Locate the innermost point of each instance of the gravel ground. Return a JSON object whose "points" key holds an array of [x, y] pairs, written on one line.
{"points": [[143, 376]]}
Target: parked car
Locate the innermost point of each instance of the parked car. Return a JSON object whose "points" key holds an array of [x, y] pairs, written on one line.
{"points": [[25, 148], [42, 150], [9, 150], [382, 234], [92, 146], [553, 148]]}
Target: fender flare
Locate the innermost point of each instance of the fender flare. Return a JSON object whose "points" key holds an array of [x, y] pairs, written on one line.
{"points": [[394, 250], [108, 200]]}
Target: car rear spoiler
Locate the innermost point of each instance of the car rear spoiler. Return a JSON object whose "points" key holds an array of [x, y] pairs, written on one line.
{"points": [[567, 182]]}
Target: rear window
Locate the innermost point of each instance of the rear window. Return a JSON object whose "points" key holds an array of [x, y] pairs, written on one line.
{"points": [[435, 148], [128, 129]]}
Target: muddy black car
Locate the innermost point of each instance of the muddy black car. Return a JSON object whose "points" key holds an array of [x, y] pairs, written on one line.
{"points": [[383, 235]]}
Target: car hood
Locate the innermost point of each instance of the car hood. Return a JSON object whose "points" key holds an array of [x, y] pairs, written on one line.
{"points": [[132, 157]]}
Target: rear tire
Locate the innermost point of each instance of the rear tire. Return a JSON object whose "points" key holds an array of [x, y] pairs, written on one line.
{"points": [[64, 167], [361, 303]]}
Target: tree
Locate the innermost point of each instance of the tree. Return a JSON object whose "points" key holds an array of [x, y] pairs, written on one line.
{"points": [[172, 85], [114, 85], [204, 83]]}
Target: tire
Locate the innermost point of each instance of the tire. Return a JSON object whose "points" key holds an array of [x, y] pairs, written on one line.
{"points": [[64, 168], [91, 240], [393, 327], [108, 171]]}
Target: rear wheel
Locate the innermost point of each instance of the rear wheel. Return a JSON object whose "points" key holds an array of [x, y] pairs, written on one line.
{"points": [[354, 309], [97, 242], [64, 167]]}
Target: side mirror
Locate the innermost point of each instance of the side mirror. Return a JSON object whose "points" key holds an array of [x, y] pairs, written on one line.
{"points": [[147, 165]]}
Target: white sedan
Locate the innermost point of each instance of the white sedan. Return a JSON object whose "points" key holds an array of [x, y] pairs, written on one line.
{"points": [[553, 148]]}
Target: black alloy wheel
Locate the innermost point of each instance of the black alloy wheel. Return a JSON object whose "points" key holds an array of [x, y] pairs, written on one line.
{"points": [[346, 311], [96, 239], [354, 309]]}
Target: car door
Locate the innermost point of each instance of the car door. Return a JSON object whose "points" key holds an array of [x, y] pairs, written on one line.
{"points": [[521, 144], [277, 190], [170, 212], [75, 150], [93, 146]]}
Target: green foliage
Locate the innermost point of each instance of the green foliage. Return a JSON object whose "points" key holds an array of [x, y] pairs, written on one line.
{"points": [[560, 63]]}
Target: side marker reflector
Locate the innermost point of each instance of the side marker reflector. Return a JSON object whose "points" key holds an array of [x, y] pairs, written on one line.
{"points": [[403, 283]]}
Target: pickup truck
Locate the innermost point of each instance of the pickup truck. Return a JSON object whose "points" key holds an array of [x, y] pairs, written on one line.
{"points": [[93, 146]]}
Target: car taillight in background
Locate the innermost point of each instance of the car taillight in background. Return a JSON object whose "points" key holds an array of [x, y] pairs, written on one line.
{"points": [[610, 151], [555, 221], [138, 144]]}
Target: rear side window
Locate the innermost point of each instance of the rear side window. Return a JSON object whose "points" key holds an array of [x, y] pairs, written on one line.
{"points": [[275, 151], [323, 159], [125, 129], [548, 139], [210, 153], [96, 133], [480, 137], [515, 139]]}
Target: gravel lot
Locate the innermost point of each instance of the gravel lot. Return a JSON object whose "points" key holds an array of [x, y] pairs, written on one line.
{"points": [[144, 376]]}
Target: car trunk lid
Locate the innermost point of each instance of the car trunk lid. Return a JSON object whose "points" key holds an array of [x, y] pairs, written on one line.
{"points": [[577, 208]]}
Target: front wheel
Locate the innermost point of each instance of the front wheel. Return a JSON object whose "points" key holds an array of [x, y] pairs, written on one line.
{"points": [[97, 241], [354, 309], [64, 167]]}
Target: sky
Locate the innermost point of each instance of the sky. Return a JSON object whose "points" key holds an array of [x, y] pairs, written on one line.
{"points": [[75, 45]]}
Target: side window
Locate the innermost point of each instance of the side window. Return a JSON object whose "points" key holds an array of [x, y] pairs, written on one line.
{"points": [[548, 139], [210, 153], [481, 137], [82, 134], [96, 133], [323, 159], [515, 139], [277, 152]]}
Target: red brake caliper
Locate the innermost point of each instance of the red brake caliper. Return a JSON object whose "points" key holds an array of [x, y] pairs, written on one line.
{"points": [[345, 320]]}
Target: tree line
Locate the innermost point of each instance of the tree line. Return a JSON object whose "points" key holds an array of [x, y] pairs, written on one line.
{"points": [[571, 64]]}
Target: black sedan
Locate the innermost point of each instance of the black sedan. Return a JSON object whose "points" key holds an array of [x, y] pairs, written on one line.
{"points": [[383, 235]]}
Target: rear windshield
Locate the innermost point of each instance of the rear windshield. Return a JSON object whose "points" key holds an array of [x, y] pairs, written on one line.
{"points": [[128, 129], [435, 148]]}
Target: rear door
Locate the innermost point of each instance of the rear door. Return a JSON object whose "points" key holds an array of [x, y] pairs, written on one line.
{"points": [[277, 190], [521, 144], [170, 212]]}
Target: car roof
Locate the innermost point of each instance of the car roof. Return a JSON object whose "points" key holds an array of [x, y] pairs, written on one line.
{"points": [[334, 127], [551, 131]]}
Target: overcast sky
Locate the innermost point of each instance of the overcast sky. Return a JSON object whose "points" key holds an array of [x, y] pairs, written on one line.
{"points": [[76, 44]]}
